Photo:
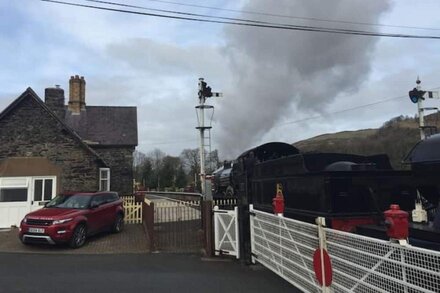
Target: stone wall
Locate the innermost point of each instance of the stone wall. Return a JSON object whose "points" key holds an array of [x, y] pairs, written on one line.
{"points": [[30, 131], [120, 160]]}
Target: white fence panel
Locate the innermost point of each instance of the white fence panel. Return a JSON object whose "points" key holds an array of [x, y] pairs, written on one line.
{"points": [[166, 211], [359, 263], [364, 264], [286, 247], [226, 232]]}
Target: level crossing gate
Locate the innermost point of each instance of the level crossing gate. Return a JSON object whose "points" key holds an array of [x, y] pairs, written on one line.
{"points": [[226, 232], [356, 263]]}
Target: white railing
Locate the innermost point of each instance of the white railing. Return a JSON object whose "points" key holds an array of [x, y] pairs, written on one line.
{"points": [[226, 232], [167, 211], [359, 263], [177, 203]]}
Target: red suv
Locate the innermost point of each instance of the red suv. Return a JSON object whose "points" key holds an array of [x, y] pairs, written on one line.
{"points": [[71, 218]]}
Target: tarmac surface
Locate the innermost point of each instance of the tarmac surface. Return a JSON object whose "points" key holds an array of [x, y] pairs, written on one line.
{"points": [[133, 273], [122, 263]]}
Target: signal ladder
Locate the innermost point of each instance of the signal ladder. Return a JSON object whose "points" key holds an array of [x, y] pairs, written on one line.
{"points": [[429, 130]]}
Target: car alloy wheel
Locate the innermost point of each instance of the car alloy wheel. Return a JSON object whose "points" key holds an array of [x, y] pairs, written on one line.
{"points": [[79, 236]]}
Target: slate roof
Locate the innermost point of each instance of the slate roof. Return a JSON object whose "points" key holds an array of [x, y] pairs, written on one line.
{"points": [[107, 126]]}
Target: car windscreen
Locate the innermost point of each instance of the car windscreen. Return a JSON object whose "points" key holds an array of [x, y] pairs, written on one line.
{"points": [[70, 202]]}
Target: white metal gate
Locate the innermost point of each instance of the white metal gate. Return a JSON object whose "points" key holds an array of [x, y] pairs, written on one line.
{"points": [[286, 247], [226, 232], [359, 263]]}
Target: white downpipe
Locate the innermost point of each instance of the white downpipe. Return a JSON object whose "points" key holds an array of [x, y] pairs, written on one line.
{"points": [[237, 236], [252, 224]]}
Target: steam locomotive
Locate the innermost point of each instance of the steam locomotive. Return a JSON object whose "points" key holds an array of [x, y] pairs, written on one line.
{"points": [[350, 191]]}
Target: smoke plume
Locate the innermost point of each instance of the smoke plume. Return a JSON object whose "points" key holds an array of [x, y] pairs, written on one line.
{"points": [[276, 70]]}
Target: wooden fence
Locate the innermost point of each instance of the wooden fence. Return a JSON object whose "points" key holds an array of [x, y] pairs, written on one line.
{"points": [[132, 210], [225, 203]]}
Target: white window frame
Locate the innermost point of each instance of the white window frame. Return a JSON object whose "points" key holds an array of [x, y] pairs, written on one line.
{"points": [[44, 178], [14, 183], [102, 179]]}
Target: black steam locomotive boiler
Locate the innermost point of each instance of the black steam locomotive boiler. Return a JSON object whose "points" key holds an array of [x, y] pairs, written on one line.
{"points": [[350, 191]]}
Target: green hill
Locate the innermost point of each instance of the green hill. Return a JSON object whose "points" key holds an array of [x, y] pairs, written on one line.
{"points": [[396, 138]]}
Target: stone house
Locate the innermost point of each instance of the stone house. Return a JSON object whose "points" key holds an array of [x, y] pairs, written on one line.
{"points": [[49, 148]]}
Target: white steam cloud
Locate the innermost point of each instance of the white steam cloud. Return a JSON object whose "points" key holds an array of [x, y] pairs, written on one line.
{"points": [[277, 70]]}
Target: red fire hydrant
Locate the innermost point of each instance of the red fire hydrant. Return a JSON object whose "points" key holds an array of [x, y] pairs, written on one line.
{"points": [[397, 222], [278, 201]]}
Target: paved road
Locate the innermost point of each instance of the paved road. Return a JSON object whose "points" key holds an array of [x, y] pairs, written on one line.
{"points": [[132, 273]]}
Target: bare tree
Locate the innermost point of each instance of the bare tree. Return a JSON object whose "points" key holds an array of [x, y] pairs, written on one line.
{"points": [[138, 162], [191, 160], [191, 163], [138, 158], [156, 158]]}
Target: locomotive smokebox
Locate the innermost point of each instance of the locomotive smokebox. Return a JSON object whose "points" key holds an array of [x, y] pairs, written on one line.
{"points": [[397, 222]]}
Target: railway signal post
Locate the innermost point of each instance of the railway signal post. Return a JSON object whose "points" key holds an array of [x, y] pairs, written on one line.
{"points": [[205, 141], [417, 95]]}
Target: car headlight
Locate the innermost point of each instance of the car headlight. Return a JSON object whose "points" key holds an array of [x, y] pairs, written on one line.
{"points": [[25, 220], [56, 222]]}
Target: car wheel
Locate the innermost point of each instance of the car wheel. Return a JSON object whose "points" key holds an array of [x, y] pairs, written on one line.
{"points": [[118, 226], [79, 236]]}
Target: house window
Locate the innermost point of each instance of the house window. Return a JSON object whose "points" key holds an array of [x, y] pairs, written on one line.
{"points": [[43, 189], [104, 179], [13, 194]]}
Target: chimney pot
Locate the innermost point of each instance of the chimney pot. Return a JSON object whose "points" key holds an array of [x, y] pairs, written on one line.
{"points": [[77, 93]]}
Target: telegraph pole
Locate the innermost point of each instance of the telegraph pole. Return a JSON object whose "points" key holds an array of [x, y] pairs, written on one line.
{"points": [[204, 93]]}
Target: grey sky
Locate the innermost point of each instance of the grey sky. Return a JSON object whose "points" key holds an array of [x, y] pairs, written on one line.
{"points": [[268, 77]]}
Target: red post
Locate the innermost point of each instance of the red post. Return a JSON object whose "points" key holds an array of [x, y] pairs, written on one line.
{"points": [[278, 201], [397, 223]]}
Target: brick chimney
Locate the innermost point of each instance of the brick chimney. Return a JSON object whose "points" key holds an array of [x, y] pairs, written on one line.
{"points": [[54, 99], [77, 94]]}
